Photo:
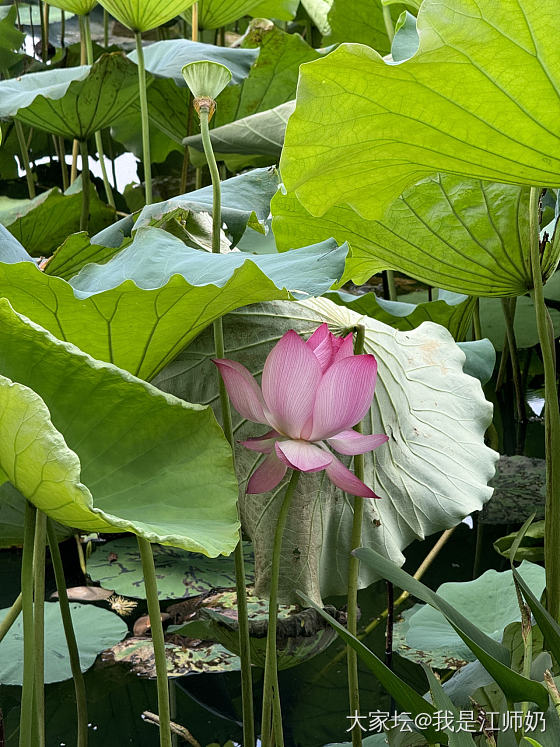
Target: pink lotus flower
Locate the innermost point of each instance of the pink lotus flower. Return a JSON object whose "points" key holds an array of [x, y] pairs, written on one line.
{"points": [[312, 392]]}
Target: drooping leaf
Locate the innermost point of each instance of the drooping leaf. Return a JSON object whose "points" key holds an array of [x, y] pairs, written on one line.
{"points": [[463, 235], [451, 310], [43, 223], [143, 15], [110, 452], [72, 102], [139, 309], [96, 629], [492, 655], [11, 39], [481, 99], [427, 636], [427, 478], [117, 565], [261, 133]]}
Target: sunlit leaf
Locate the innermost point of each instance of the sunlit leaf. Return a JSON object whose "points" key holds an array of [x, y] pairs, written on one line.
{"points": [[110, 452], [143, 15], [479, 99]]}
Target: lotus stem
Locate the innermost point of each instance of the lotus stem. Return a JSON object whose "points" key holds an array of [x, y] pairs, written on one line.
{"points": [[11, 617], [62, 28], [25, 158], [477, 327], [44, 10], [147, 158], [86, 30], [508, 307], [76, 143], [551, 419], [73, 653], [270, 686], [227, 424], [388, 21], [389, 287], [353, 572], [194, 22], [105, 28], [39, 623], [158, 640], [26, 715], [84, 219]]}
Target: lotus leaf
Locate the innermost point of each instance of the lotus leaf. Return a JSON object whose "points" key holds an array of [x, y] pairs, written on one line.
{"points": [[427, 634], [143, 15], [110, 452], [96, 629], [460, 234], [72, 102], [481, 102], [180, 574], [433, 471]]}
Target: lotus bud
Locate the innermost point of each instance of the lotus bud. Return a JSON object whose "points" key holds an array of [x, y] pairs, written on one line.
{"points": [[206, 80]]}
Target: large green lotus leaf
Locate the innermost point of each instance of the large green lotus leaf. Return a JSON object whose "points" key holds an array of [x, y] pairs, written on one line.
{"points": [[166, 58], [215, 13], [96, 629], [12, 515], [273, 77], [80, 7], [426, 631], [355, 21], [72, 102], [479, 99], [183, 658], [261, 133], [432, 472], [43, 223], [463, 235], [139, 309], [451, 310], [117, 565], [97, 449], [143, 15]]}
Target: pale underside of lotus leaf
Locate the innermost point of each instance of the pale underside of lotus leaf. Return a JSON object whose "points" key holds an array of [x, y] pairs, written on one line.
{"points": [[80, 7], [109, 452], [460, 234], [143, 15], [480, 99], [143, 306], [426, 635], [432, 472], [72, 102], [95, 629]]}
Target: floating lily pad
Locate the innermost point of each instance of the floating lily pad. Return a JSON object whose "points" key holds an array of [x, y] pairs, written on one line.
{"points": [[424, 635], [96, 629], [117, 565], [191, 657]]}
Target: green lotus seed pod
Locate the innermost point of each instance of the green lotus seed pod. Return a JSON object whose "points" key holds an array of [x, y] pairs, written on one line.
{"points": [[206, 79]]}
